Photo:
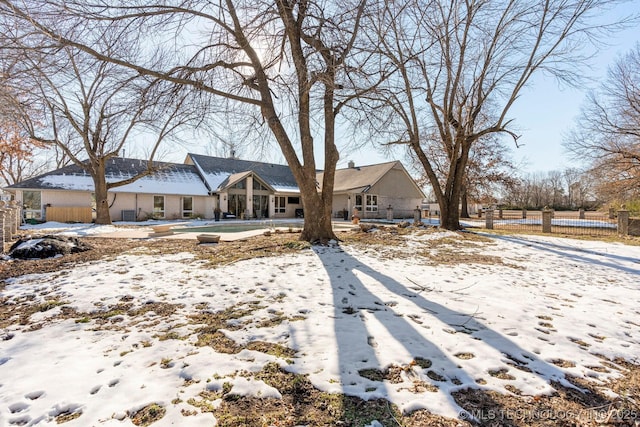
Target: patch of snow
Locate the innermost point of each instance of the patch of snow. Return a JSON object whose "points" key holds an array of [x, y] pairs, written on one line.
{"points": [[549, 300]]}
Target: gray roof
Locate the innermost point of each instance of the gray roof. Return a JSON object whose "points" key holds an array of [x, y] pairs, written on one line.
{"points": [[217, 172], [201, 175], [169, 178]]}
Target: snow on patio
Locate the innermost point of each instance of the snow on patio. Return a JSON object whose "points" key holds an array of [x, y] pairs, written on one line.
{"points": [[547, 307]]}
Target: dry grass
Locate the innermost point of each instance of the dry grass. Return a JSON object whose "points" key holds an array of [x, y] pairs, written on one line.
{"points": [[301, 403]]}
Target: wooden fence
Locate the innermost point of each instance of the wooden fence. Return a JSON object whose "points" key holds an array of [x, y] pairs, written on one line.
{"points": [[69, 214]]}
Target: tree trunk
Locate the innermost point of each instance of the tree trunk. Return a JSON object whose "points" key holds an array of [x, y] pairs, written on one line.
{"points": [[317, 227], [449, 214], [450, 198], [101, 193], [317, 215], [464, 212]]}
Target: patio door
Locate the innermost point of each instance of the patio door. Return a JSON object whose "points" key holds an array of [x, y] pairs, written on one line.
{"points": [[237, 204], [261, 206]]}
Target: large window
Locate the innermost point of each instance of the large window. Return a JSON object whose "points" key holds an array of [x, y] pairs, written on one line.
{"points": [[260, 206], [237, 204], [280, 204], [187, 207], [371, 201], [158, 206], [240, 185], [32, 201], [258, 186]]}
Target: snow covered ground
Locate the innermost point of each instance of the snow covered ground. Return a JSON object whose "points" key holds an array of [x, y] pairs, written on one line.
{"points": [[545, 308]]}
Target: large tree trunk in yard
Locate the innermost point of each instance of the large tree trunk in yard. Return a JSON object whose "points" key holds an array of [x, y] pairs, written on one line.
{"points": [[450, 200], [102, 196], [449, 214], [317, 226], [317, 215], [464, 212]]}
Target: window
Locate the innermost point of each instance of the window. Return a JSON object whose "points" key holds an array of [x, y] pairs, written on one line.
{"points": [[260, 206], [32, 201], [293, 200], [187, 207], [257, 186], [237, 204], [240, 185], [358, 202], [280, 204], [371, 203], [158, 206]]}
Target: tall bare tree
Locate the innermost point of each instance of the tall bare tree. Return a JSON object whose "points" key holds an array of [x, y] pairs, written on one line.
{"points": [[87, 108], [607, 133], [460, 68], [290, 60]]}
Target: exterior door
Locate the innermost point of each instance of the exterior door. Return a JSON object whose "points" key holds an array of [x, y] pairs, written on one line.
{"points": [[261, 206]]}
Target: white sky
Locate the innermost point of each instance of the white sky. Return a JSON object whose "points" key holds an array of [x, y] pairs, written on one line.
{"points": [[546, 299]]}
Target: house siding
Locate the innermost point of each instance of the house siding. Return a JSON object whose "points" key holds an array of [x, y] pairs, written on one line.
{"points": [[58, 198], [212, 181], [396, 189], [143, 205]]}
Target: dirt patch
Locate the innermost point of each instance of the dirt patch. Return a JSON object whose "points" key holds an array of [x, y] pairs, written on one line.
{"points": [[147, 415], [301, 404]]}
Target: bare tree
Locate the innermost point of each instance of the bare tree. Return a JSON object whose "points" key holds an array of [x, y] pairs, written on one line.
{"points": [[460, 68], [87, 108], [489, 171], [607, 133], [289, 60], [22, 157]]}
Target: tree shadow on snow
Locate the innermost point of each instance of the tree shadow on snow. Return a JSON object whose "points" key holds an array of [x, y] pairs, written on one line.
{"points": [[576, 254], [367, 323]]}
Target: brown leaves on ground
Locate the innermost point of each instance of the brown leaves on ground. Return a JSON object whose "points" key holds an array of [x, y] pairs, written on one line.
{"points": [[301, 403]]}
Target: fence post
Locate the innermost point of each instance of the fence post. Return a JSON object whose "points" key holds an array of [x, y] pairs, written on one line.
{"points": [[6, 223], [16, 216], [623, 222], [524, 213], [417, 216], [389, 213], [488, 219], [546, 220], [2, 241], [612, 213], [581, 213], [500, 213]]}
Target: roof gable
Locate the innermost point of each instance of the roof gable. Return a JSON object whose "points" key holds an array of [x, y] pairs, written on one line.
{"points": [[358, 179], [217, 172], [361, 178]]}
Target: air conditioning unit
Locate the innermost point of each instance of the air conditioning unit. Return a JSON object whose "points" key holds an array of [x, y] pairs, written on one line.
{"points": [[128, 215]]}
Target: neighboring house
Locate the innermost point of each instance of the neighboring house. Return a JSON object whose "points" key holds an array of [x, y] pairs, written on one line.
{"points": [[239, 188]]}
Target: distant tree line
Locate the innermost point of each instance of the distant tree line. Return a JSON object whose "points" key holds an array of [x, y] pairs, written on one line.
{"points": [[570, 189]]}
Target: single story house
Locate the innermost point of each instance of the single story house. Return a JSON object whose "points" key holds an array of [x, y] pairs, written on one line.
{"points": [[239, 188]]}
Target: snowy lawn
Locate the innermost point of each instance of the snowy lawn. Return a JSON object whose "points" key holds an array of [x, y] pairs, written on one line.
{"points": [[413, 324]]}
